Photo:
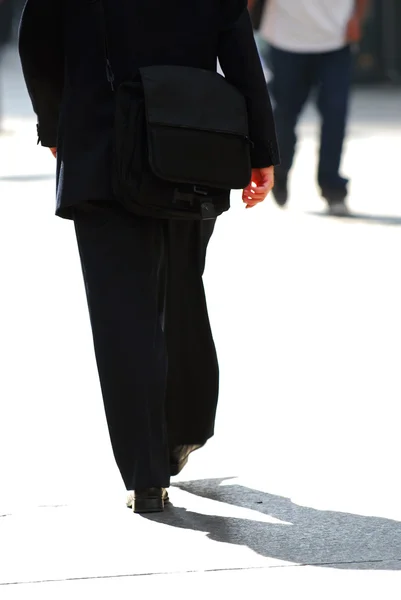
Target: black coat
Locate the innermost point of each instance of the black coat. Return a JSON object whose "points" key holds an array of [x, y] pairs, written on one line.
{"points": [[61, 49]]}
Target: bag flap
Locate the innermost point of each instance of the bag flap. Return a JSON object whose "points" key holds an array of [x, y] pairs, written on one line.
{"points": [[193, 98], [180, 154]]}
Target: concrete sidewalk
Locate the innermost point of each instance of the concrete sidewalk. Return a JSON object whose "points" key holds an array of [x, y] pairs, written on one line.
{"points": [[298, 493]]}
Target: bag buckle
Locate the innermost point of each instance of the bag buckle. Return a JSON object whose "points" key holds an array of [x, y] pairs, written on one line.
{"points": [[183, 197], [207, 209]]}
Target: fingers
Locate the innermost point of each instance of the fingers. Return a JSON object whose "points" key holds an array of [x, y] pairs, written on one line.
{"points": [[255, 195], [260, 186]]}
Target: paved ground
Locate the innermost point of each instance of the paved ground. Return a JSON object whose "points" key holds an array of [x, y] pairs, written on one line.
{"points": [[298, 494]]}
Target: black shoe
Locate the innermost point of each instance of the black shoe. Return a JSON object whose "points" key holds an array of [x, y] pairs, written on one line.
{"points": [[336, 202], [179, 457], [149, 500], [338, 209], [280, 191]]}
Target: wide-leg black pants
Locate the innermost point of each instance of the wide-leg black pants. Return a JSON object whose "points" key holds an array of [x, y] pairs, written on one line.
{"points": [[154, 348]]}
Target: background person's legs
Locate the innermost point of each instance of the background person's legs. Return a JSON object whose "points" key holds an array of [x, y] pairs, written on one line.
{"points": [[293, 79], [123, 260], [1, 92], [334, 72], [6, 33]]}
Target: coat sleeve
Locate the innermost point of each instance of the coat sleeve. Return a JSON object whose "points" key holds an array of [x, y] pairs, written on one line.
{"points": [[42, 59], [240, 62]]}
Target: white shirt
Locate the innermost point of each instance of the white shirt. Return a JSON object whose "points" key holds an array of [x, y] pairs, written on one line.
{"points": [[306, 25]]}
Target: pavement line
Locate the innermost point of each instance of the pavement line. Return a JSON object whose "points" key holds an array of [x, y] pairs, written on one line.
{"points": [[227, 570]]}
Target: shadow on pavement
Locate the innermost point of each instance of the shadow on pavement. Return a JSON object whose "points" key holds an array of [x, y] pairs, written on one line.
{"points": [[366, 218], [306, 536]]}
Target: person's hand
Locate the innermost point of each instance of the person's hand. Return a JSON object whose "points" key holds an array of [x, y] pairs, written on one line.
{"points": [[53, 151], [354, 30], [261, 184]]}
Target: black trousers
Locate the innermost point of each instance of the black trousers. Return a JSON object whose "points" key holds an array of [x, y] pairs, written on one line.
{"points": [[155, 353]]}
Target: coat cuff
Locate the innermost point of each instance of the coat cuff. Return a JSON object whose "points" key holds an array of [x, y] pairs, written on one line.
{"points": [[265, 157], [47, 134]]}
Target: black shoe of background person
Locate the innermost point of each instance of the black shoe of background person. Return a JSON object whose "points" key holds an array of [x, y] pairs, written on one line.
{"points": [[280, 191], [336, 202], [150, 500], [179, 457]]}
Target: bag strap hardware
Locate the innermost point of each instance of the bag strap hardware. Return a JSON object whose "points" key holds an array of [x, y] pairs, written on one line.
{"points": [[199, 191], [208, 211]]}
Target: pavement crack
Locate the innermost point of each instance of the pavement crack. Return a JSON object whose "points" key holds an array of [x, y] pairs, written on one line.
{"points": [[205, 571]]}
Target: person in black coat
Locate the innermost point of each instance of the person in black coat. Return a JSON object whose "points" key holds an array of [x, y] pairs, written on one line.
{"points": [[154, 348]]}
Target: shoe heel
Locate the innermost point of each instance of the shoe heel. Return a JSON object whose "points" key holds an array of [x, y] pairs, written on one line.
{"points": [[148, 505]]}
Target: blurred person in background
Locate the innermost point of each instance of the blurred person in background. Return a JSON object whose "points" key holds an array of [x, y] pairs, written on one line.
{"points": [[6, 33], [156, 357], [309, 46]]}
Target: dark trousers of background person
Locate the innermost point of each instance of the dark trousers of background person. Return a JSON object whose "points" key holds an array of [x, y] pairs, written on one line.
{"points": [[154, 348], [295, 75], [1, 92], [7, 14]]}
